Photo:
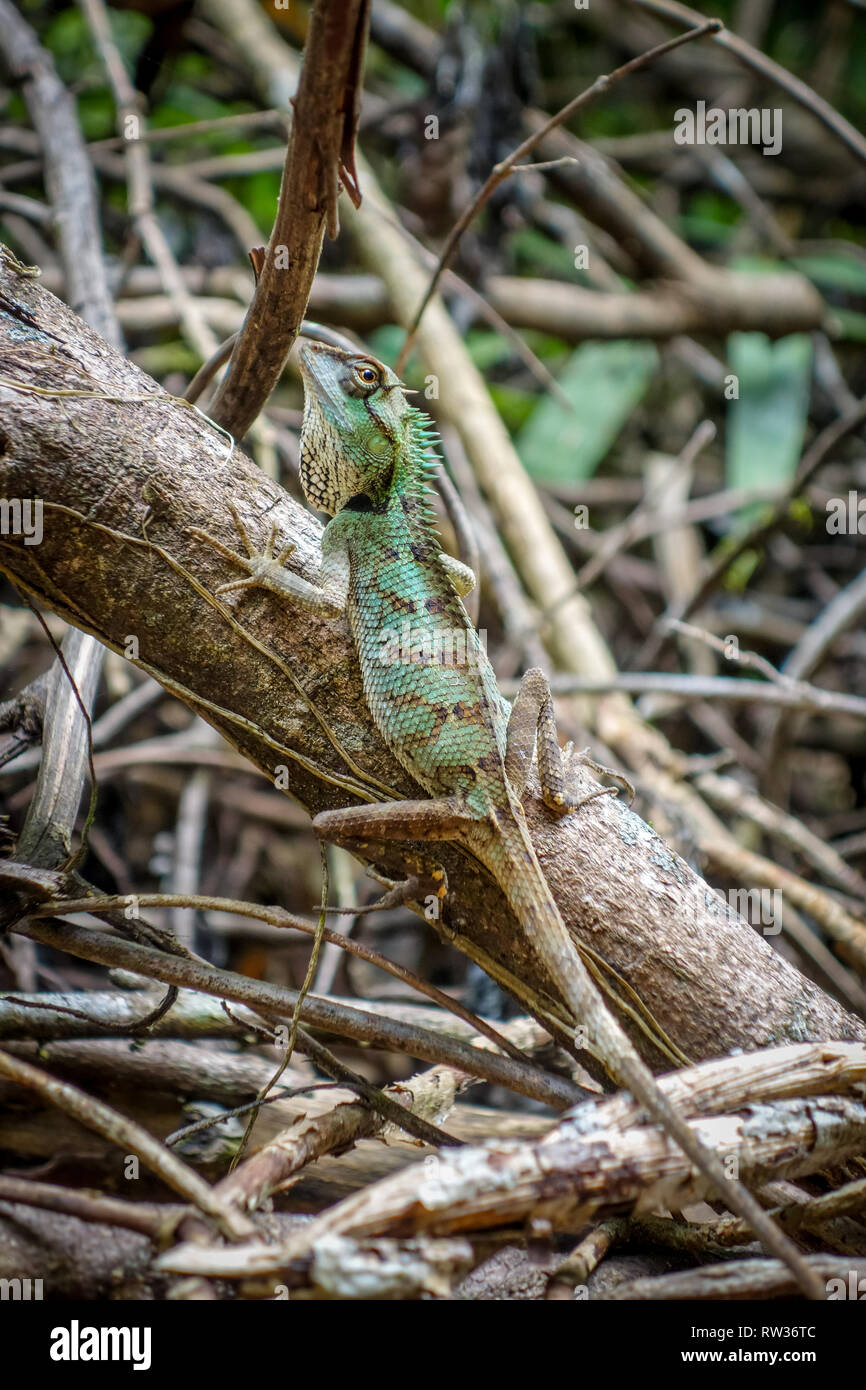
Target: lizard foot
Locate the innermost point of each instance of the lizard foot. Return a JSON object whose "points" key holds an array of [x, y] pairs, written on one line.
{"points": [[429, 890], [261, 565]]}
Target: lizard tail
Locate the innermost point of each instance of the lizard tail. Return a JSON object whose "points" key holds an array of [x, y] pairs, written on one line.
{"points": [[512, 860]]}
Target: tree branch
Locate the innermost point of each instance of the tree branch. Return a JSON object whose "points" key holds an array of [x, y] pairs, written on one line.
{"points": [[320, 154]]}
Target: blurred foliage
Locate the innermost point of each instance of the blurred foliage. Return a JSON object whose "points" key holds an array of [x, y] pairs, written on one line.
{"points": [[766, 422], [604, 382]]}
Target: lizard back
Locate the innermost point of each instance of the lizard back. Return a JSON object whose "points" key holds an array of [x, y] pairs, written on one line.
{"points": [[427, 680]]}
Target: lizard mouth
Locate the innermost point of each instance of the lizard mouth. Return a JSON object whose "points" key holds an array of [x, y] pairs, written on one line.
{"points": [[321, 370]]}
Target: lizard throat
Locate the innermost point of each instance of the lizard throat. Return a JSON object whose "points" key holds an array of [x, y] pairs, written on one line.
{"points": [[362, 503]]}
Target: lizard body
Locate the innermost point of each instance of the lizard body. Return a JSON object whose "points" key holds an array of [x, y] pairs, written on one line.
{"points": [[366, 456]]}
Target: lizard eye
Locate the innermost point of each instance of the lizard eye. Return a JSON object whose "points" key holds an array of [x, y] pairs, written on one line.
{"points": [[368, 376]]}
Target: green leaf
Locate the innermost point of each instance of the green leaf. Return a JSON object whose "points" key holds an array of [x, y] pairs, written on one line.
{"points": [[513, 404], [158, 359], [766, 424], [259, 194], [97, 114], [604, 382], [839, 270], [740, 572], [386, 341], [852, 324], [535, 252], [709, 218], [487, 349]]}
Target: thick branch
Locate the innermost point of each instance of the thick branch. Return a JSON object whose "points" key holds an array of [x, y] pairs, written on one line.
{"points": [[566, 1178], [772, 304]]}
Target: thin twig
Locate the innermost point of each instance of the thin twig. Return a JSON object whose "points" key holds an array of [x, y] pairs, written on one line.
{"points": [[320, 155], [763, 526], [801, 696], [278, 917], [505, 167], [130, 118], [131, 1138], [150, 1219], [753, 58], [273, 1001]]}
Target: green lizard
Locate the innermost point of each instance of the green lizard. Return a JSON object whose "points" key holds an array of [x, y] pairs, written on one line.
{"points": [[366, 457]]}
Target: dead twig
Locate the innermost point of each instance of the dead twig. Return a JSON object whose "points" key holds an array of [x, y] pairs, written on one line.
{"points": [[565, 1179], [505, 167], [280, 1003], [131, 1138]]}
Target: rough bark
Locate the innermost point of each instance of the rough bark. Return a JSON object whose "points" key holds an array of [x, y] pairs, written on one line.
{"points": [[565, 1178], [73, 1258]]}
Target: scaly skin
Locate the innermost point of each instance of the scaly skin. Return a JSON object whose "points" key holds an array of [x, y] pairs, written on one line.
{"points": [[366, 455]]}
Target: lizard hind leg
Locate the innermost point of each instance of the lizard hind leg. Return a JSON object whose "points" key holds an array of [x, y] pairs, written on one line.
{"points": [[532, 725], [353, 827], [427, 888]]}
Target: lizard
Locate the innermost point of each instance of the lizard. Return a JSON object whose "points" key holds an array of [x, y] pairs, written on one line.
{"points": [[366, 459]]}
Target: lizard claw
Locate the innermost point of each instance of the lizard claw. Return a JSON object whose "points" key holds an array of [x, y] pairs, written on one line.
{"points": [[261, 565], [262, 571], [583, 758]]}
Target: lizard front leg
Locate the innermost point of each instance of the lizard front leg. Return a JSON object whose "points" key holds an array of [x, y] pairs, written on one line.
{"points": [[532, 725], [266, 570], [461, 576]]}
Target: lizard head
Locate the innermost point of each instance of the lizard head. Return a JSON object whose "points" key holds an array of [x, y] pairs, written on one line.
{"points": [[356, 425]]}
